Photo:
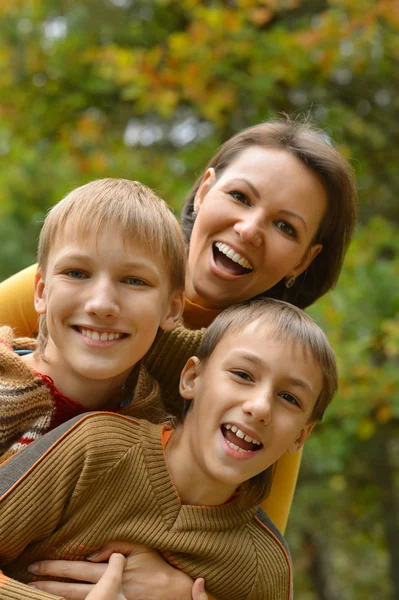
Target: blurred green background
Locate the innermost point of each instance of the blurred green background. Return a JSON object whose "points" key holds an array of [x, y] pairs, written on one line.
{"points": [[147, 89]]}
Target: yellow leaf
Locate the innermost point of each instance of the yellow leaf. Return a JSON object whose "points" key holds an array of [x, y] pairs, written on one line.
{"points": [[384, 413], [365, 429]]}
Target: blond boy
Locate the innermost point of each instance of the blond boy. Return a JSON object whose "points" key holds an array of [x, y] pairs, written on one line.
{"points": [[110, 276]]}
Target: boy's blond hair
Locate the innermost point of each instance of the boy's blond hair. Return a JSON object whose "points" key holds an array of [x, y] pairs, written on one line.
{"points": [[124, 208]]}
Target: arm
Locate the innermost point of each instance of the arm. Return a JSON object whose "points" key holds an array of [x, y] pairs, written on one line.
{"points": [[146, 574], [166, 359], [16, 303], [27, 484], [277, 505]]}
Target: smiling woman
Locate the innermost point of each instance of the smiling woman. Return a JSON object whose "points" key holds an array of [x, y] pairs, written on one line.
{"points": [[256, 224]]}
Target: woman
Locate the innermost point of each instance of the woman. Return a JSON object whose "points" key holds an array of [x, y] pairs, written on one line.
{"points": [[273, 214]]}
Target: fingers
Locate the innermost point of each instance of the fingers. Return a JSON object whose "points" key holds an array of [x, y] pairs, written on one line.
{"points": [[69, 591], [198, 592], [126, 548], [68, 569], [110, 585]]}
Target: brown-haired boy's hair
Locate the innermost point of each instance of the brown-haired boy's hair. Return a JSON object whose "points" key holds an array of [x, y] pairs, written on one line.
{"points": [[121, 207], [313, 148], [282, 321]]}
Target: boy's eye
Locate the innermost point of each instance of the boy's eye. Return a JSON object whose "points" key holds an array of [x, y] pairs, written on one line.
{"points": [[242, 375], [286, 228], [135, 281], [240, 196], [76, 274], [289, 398]]}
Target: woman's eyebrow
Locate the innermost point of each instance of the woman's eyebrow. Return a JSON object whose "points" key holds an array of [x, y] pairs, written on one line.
{"points": [[296, 215], [249, 184]]}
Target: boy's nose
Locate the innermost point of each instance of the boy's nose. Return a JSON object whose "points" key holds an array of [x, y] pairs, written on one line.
{"points": [[260, 408], [103, 302]]}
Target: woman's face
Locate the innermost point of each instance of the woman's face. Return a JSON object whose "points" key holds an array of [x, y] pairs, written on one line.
{"points": [[254, 227]]}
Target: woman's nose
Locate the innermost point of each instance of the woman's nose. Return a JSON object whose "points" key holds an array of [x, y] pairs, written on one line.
{"points": [[250, 229]]}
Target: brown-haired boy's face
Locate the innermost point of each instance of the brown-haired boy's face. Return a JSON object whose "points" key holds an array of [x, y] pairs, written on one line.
{"points": [[252, 401], [104, 301]]}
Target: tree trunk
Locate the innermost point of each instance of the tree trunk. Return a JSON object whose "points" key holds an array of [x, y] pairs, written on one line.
{"points": [[320, 567], [384, 476]]}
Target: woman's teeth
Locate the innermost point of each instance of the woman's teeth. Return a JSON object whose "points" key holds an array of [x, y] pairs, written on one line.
{"points": [[234, 256], [104, 336]]}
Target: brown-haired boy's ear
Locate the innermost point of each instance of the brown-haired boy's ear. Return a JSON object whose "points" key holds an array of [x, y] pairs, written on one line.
{"points": [[173, 312], [188, 377], [207, 182], [301, 438], [40, 299]]}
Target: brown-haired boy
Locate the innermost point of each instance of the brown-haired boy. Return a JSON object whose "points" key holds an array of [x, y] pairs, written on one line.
{"points": [[263, 375]]}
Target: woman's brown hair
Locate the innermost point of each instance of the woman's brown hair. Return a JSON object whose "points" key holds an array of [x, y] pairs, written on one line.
{"points": [[313, 148]]}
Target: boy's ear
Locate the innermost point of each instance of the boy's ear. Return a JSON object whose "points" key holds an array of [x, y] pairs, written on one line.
{"points": [[207, 182], [301, 438], [188, 377], [40, 299], [173, 311]]}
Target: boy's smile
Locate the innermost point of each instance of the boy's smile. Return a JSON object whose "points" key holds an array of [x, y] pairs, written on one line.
{"points": [[104, 301], [252, 401]]}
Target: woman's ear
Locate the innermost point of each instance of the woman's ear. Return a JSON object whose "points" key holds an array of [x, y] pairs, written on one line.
{"points": [[301, 438], [188, 377], [306, 260], [40, 300], [207, 182], [173, 311]]}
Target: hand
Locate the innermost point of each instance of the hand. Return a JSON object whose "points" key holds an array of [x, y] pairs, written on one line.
{"points": [[146, 575], [109, 586], [198, 591]]}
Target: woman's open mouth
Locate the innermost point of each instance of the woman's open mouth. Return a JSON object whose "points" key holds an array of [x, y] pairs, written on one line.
{"points": [[229, 260], [238, 440]]}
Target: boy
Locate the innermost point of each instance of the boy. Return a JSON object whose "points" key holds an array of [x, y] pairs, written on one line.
{"points": [[111, 273], [263, 375]]}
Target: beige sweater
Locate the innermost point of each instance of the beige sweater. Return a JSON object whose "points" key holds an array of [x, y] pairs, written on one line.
{"points": [[103, 477]]}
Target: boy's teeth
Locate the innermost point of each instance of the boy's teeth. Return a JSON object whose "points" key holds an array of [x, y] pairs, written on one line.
{"points": [[236, 448], [104, 336], [234, 256], [240, 434]]}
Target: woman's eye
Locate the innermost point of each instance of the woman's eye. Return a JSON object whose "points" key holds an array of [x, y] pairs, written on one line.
{"points": [[286, 228], [240, 196], [242, 375], [76, 274], [289, 398], [135, 281]]}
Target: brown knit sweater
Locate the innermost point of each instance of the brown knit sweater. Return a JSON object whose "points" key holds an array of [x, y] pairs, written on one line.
{"points": [[103, 477], [28, 403]]}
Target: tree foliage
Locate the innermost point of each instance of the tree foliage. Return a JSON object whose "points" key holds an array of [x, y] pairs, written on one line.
{"points": [[147, 89]]}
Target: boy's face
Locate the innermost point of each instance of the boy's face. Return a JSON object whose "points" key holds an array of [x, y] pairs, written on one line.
{"points": [[255, 386], [104, 301]]}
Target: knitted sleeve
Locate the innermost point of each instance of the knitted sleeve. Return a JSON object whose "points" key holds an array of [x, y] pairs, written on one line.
{"points": [[166, 359], [26, 405], [37, 485], [13, 590], [16, 302]]}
